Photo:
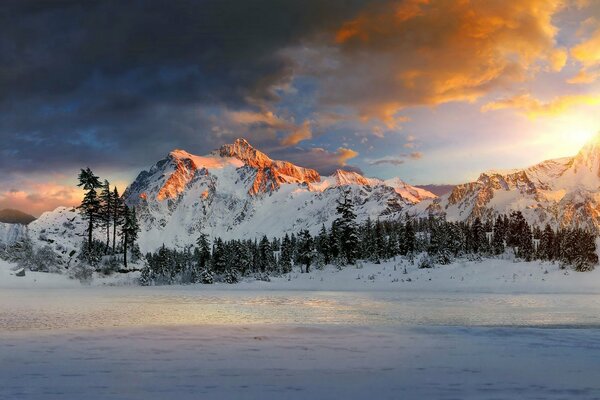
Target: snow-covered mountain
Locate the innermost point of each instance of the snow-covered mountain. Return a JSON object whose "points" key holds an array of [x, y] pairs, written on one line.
{"points": [[233, 192], [239, 192], [562, 192], [10, 233]]}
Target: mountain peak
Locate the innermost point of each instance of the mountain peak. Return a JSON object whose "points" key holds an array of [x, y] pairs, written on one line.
{"points": [[180, 154], [343, 177], [270, 173], [244, 151]]}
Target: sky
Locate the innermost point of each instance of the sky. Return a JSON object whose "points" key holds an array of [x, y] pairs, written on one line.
{"points": [[432, 91]]}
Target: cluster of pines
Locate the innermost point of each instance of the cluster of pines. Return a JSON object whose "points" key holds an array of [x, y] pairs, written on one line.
{"points": [[105, 210], [346, 241], [447, 240]]}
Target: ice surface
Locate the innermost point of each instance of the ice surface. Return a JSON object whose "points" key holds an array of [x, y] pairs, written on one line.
{"points": [[199, 342]]}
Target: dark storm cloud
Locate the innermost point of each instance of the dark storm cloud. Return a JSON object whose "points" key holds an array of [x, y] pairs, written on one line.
{"points": [[117, 83]]}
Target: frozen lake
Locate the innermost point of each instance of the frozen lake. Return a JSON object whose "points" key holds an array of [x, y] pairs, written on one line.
{"points": [[191, 343]]}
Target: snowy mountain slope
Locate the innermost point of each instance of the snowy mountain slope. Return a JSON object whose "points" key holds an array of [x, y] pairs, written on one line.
{"points": [[561, 192], [10, 233], [239, 192], [63, 229]]}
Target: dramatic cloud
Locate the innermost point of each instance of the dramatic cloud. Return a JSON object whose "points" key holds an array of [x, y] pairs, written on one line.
{"points": [[432, 52], [120, 83]]}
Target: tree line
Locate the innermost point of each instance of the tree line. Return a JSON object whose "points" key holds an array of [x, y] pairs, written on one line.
{"points": [[434, 240]]}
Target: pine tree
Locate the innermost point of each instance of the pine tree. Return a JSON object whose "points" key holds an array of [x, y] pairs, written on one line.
{"points": [[118, 215], [408, 244], [106, 210], [305, 249], [586, 256], [546, 249], [347, 229], [90, 206], [478, 237], [219, 262], [203, 255], [267, 258], [498, 236], [130, 232], [368, 245], [380, 241], [322, 244], [516, 229], [285, 258], [456, 239], [526, 249]]}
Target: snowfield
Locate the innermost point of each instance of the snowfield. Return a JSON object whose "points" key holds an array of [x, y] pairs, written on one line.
{"points": [[487, 276], [489, 330]]}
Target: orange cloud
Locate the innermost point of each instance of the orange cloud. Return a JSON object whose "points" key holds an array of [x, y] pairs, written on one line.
{"points": [[303, 132], [534, 108], [587, 53], [39, 197], [433, 52], [270, 121], [344, 154]]}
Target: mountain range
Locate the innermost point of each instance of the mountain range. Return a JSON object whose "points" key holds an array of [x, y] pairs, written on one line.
{"points": [[239, 192], [560, 192]]}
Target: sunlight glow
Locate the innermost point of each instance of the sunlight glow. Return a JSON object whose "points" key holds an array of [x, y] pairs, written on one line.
{"points": [[565, 135]]}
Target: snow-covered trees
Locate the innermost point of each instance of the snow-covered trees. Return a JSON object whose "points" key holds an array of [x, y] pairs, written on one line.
{"points": [[439, 242]]}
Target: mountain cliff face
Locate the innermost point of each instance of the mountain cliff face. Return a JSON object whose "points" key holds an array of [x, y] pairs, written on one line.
{"points": [[10, 233], [239, 192], [561, 192]]}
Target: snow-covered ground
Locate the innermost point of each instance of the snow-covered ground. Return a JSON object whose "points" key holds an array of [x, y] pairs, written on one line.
{"points": [[488, 275], [490, 330]]}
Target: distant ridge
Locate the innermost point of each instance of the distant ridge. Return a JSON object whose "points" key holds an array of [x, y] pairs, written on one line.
{"points": [[438, 190], [12, 216], [563, 192]]}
